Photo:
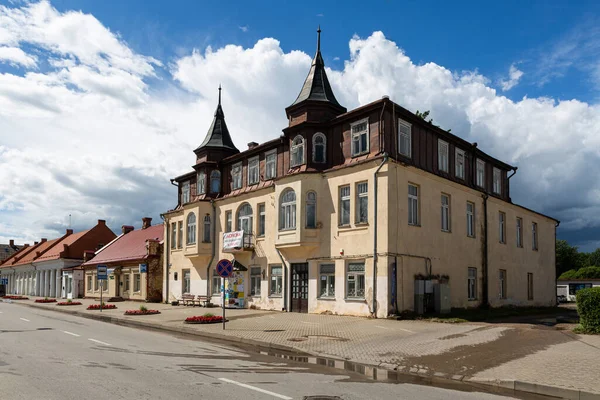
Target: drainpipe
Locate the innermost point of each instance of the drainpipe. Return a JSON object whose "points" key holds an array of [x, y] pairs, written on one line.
{"points": [[485, 303], [167, 250], [214, 244], [508, 182], [374, 307], [555, 274], [284, 267], [381, 134]]}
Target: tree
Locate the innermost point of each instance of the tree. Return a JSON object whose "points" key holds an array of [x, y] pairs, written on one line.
{"points": [[594, 258], [567, 257]]}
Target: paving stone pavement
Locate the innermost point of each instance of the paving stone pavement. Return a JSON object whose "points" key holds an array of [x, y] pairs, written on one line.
{"points": [[483, 351]]}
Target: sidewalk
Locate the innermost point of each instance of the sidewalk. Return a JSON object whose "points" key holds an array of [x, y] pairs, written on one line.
{"points": [[517, 356]]}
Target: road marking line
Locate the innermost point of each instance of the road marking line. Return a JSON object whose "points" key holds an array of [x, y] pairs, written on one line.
{"points": [[382, 327], [309, 323], [71, 333], [280, 396], [406, 330], [97, 341], [26, 320]]}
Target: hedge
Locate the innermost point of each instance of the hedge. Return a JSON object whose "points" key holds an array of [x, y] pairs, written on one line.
{"points": [[588, 307]]}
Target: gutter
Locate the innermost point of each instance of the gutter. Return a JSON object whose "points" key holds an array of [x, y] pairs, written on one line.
{"points": [[485, 302], [214, 243], [167, 250], [555, 274], [508, 182], [285, 302], [374, 306]]}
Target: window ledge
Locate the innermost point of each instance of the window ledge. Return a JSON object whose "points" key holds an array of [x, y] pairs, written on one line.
{"points": [[361, 224], [326, 298], [275, 296], [471, 236], [360, 154], [287, 232], [355, 300], [415, 225], [472, 300], [446, 231], [344, 226]]}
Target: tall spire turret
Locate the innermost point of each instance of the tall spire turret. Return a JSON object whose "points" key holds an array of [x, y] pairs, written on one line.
{"points": [[218, 136]]}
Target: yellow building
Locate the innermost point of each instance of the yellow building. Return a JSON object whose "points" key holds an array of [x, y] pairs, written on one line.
{"points": [[355, 212]]}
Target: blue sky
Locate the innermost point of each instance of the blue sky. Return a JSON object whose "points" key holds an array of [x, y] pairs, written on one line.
{"points": [[101, 102]]}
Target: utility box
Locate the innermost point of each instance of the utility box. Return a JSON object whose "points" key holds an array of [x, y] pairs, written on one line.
{"points": [[419, 296], [441, 294]]}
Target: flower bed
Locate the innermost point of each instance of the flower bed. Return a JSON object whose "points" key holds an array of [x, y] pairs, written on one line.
{"points": [[69, 303], [45, 300], [103, 306], [141, 312], [202, 319], [11, 297]]}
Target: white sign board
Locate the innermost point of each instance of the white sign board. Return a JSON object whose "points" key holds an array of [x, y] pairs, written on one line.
{"points": [[233, 240]]}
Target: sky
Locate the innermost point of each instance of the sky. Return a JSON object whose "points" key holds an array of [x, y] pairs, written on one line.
{"points": [[102, 102]]}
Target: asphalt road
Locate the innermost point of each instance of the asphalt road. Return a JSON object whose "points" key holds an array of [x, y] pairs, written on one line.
{"points": [[49, 355]]}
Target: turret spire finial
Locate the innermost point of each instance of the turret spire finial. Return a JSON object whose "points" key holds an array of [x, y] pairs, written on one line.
{"points": [[219, 94], [319, 38]]}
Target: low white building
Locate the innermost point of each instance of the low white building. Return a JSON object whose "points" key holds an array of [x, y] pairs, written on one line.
{"points": [[570, 287], [38, 270]]}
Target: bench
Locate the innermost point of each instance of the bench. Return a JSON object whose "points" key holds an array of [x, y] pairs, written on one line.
{"points": [[187, 299], [202, 300]]}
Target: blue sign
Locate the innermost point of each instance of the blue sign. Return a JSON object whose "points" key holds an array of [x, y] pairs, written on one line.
{"points": [[224, 268], [143, 268], [4, 281], [101, 270]]}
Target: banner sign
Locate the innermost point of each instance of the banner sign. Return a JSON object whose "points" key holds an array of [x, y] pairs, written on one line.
{"points": [[233, 240]]}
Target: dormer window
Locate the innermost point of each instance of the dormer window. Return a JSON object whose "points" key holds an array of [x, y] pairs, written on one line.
{"points": [[215, 181], [236, 176], [201, 183], [253, 171], [360, 137], [497, 181], [442, 155], [319, 145], [459, 161], [297, 157], [270, 164], [185, 192]]}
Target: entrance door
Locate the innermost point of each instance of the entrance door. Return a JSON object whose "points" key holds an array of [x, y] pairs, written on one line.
{"points": [[299, 301]]}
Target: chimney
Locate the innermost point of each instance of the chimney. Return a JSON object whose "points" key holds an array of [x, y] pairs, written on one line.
{"points": [[252, 145], [44, 240], [69, 232], [146, 222], [126, 229], [88, 255], [35, 243], [101, 222], [12, 243]]}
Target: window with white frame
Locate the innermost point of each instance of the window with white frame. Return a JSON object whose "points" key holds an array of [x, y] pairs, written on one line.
{"points": [[297, 151], [89, 283], [355, 280], [255, 281], [179, 234], [206, 233], [96, 288], [459, 163], [185, 192], [173, 235], [201, 183], [413, 204], [502, 283], [271, 164], [534, 238], [442, 155], [362, 203], [470, 219], [253, 171], [245, 218], [360, 137], [287, 210], [126, 284], [137, 282], [405, 138], [345, 205], [445, 213], [502, 227], [186, 282], [261, 219], [228, 221], [236, 176], [319, 146], [276, 280], [215, 181], [472, 284], [519, 232], [216, 283], [497, 181], [480, 173], [327, 280], [191, 228], [311, 210]]}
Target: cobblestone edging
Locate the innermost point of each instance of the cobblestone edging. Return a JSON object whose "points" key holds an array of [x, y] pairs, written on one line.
{"points": [[379, 371]]}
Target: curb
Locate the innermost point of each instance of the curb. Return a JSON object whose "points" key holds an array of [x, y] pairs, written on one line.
{"points": [[347, 365]]}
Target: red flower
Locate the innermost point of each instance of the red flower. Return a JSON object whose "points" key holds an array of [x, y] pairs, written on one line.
{"points": [[205, 319], [104, 307], [66, 303]]}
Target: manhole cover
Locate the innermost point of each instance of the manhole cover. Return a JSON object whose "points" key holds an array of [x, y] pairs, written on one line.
{"points": [[274, 330], [321, 398]]}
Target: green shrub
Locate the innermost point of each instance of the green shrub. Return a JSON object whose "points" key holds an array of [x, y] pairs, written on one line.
{"points": [[69, 301], [588, 307], [570, 274], [208, 315], [588, 273], [143, 308]]}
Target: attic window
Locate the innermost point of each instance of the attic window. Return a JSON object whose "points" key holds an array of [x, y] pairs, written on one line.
{"points": [[185, 192], [297, 151], [360, 137]]}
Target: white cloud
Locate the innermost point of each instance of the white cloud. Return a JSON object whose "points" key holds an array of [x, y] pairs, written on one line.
{"points": [[514, 76], [244, 28], [16, 56], [91, 137]]}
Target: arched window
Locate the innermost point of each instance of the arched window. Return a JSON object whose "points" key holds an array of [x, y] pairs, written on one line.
{"points": [[215, 181], [206, 237], [244, 219], [319, 146], [297, 157], [287, 210], [311, 210], [201, 183], [191, 228]]}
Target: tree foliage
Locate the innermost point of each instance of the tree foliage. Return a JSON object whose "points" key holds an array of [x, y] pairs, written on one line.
{"points": [[582, 273]]}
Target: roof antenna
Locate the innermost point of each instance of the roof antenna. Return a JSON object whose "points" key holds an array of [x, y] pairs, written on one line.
{"points": [[69, 221], [219, 94], [319, 39]]}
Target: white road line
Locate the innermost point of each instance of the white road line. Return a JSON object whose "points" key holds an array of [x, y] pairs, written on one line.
{"points": [[99, 342], [382, 327], [405, 330], [280, 396], [26, 320], [309, 323], [71, 333]]}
